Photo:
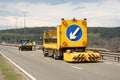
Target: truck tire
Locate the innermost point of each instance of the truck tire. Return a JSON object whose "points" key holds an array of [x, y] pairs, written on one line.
{"points": [[45, 52], [55, 55], [21, 49], [30, 48]]}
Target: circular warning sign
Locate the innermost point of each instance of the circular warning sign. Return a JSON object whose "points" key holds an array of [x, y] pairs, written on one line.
{"points": [[74, 32]]}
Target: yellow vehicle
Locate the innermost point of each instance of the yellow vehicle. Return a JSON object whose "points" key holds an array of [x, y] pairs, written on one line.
{"points": [[25, 44], [69, 42]]}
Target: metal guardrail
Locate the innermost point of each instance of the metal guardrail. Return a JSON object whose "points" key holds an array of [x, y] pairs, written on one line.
{"points": [[106, 53], [15, 45], [6, 44], [116, 56], [98, 49]]}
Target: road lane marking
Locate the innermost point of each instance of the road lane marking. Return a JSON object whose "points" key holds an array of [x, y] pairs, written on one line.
{"points": [[108, 63], [26, 73], [77, 67]]}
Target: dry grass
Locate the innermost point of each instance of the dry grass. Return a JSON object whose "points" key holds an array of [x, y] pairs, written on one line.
{"points": [[8, 72]]}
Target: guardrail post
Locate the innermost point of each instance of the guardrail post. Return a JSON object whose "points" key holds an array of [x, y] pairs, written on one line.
{"points": [[118, 59], [102, 56], [115, 58]]}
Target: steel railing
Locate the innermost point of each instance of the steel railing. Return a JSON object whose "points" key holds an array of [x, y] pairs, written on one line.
{"points": [[116, 56]]}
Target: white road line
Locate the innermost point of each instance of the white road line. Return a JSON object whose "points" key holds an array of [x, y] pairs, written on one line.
{"points": [[108, 63], [26, 73], [77, 67]]}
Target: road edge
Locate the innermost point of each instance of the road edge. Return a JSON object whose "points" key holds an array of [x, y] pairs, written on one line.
{"points": [[22, 70]]}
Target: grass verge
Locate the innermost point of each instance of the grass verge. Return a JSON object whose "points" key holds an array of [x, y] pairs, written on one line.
{"points": [[8, 71]]}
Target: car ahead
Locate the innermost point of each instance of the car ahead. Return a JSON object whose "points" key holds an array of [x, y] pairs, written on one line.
{"points": [[25, 44]]}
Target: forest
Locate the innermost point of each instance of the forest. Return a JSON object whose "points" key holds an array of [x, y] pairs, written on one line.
{"points": [[101, 37]]}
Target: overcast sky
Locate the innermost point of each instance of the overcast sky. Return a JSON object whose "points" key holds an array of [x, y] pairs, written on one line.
{"points": [[101, 13]]}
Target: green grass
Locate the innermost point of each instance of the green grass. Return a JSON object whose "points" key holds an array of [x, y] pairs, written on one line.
{"points": [[7, 70], [93, 36]]}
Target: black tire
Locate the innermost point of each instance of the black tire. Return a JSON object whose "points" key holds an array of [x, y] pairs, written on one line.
{"points": [[45, 54], [21, 49], [43, 49], [55, 55], [30, 48]]}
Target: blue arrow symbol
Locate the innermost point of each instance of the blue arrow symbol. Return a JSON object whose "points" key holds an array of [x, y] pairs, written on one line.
{"points": [[24, 43]]}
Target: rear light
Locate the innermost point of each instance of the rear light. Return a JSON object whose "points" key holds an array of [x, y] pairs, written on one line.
{"points": [[64, 22], [84, 21], [65, 43], [84, 43]]}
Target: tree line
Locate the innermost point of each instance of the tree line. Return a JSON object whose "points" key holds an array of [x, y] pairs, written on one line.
{"points": [[97, 36]]}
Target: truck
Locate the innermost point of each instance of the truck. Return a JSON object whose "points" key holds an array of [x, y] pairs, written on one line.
{"points": [[68, 42], [25, 44]]}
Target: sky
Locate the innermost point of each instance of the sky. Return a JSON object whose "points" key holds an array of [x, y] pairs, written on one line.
{"points": [[99, 13]]}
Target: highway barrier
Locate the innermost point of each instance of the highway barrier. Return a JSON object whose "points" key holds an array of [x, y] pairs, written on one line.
{"points": [[116, 56]]}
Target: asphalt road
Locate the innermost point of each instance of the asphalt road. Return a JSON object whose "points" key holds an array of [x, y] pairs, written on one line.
{"points": [[46, 68]]}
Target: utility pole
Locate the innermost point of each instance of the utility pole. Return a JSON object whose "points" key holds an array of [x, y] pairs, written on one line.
{"points": [[24, 12], [7, 38], [1, 36], [16, 18]]}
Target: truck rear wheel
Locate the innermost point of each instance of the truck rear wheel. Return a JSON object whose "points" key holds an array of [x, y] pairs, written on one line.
{"points": [[21, 49], [55, 54], [45, 52], [30, 49], [55, 57]]}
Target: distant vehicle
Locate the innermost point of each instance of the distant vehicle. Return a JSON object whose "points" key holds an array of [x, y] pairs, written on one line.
{"points": [[69, 42], [25, 44]]}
